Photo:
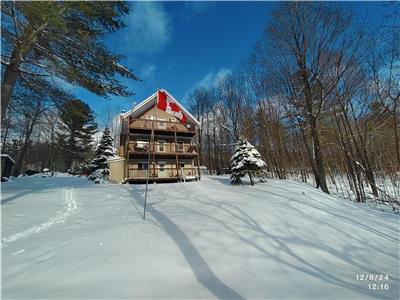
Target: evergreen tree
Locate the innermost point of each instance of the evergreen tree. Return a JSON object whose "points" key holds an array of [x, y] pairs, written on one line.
{"points": [[43, 39], [76, 132], [104, 150], [246, 159], [98, 166]]}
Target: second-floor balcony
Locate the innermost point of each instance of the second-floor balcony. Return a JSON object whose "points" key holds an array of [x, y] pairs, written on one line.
{"points": [[161, 124], [161, 148]]}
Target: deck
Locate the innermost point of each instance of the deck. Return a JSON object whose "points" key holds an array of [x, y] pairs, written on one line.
{"points": [[142, 147], [162, 175]]}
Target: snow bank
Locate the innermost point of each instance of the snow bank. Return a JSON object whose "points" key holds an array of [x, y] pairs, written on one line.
{"points": [[206, 239]]}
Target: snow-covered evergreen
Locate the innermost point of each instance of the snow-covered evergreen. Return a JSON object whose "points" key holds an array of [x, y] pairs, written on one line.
{"points": [[104, 150], [246, 160]]}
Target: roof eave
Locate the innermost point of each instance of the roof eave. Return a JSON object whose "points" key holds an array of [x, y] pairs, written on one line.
{"points": [[148, 99]]}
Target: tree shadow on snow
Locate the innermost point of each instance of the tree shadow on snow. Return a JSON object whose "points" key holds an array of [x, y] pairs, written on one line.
{"points": [[248, 224], [226, 180], [326, 208], [199, 266], [245, 228]]}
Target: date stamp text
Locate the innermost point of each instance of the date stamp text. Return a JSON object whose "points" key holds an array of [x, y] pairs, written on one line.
{"points": [[375, 281]]}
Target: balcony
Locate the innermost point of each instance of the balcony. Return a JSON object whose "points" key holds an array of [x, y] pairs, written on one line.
{"points": [[163, 174], [161, 148], [161, 125]]}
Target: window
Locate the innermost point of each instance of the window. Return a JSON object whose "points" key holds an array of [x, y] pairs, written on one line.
{"points": [[149, 123], [142, 166], [179, 147], [161, 122], [161, 146], [142, 145], [161, 166]]}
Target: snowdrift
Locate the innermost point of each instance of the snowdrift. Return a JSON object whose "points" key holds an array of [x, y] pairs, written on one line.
{"points": [[64, 237]]}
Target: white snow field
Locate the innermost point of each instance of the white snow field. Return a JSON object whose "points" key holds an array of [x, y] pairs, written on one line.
{"points": [[65, 237]]}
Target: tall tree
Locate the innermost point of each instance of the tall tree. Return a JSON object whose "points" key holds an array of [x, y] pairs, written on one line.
{"points": [[27, 117], [200, 104], [77, 130], [303, 43], [29, 106], [385, 66], [42, 39]]}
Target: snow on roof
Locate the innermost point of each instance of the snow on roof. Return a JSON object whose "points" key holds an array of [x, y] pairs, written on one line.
{"points": [[146, 104], [8, 156]]}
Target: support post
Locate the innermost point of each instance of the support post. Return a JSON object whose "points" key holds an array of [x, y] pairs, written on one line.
{"points": [[147, 186], [176, 157], [198, 150], [148, 175], [127, 138]]}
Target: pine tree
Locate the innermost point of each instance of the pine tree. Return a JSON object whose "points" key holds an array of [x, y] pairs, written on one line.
{"points": [[246, 159], [76, 132], [104, 150], [43, 39]]}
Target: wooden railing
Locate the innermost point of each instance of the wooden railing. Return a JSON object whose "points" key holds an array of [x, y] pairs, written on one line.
{"points": [[161, 125], [157, 147], [135, 173]]}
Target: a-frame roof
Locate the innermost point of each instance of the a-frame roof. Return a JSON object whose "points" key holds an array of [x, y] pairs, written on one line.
{"points": [[150, 101]]}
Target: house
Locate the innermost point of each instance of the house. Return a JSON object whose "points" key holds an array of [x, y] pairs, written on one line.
{"points": [[157, 139], [6, 165]]}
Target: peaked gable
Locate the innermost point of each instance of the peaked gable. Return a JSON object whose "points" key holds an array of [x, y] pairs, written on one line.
{"points": [[151, 101]]}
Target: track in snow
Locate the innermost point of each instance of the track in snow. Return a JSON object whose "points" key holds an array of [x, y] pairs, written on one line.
{"points": [[70, 208]]}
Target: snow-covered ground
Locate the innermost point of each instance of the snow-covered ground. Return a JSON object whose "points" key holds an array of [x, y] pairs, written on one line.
{"points": [[65, 237], [388, 187]]}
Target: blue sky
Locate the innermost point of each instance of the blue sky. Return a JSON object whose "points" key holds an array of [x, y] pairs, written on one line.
{"points": [[181, 45]]}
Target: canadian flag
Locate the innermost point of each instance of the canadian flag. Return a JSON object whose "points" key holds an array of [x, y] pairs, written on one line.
{"points": [[169, 106]]}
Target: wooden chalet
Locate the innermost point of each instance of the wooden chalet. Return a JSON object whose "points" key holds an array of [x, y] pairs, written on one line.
{"points": [[156, 144]]}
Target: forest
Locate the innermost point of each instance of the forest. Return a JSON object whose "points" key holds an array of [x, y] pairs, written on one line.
{"points": [[318, 95]]}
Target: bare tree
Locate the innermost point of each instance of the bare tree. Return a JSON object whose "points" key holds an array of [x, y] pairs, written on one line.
{"points": [[302, 43], [385, 67]]}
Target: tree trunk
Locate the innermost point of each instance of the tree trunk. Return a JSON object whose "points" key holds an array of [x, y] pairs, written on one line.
{"points": [[21, 156], [22, 48], [396, 139], [347, 155], [5, 136], [9, 79], [251, 178], [312, 120], [51, 157], [318, 156], [310, 156]]}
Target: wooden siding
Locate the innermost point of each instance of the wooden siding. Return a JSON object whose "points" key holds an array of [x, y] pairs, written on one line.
{"points": [[166, 141], [162, 168], [161, 148], [161, 125], [160, 120]]}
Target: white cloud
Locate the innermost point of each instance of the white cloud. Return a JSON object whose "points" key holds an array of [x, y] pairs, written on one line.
{"points": [[148, 27], [147, 72], [209, 80], [192, 9]]}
